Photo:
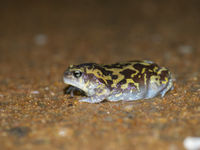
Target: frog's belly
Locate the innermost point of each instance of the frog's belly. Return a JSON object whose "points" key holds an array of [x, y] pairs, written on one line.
{"points": [[126, 96], [144, 93]]}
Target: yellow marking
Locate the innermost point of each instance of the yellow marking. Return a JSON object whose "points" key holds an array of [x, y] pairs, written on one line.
{"points": [[166, 80], [103, 90], [95, 72], [153, 80], [155, 69], [121, 77], [136, 72], [143, 70], [100, 86], [87, 83], [115, 72], [124, 86], [145, 79], [161, 70], [144, 63], [117, 95], [131, 81]]}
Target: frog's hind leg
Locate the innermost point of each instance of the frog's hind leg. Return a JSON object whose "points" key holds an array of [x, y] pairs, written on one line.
{"points": [[169, 87]]}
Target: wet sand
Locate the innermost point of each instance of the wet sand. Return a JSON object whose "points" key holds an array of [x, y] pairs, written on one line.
{"points": [[39, 40]]}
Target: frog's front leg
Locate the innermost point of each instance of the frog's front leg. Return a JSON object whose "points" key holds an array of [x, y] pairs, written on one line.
{"points": [[73, 90], [98, 97]]}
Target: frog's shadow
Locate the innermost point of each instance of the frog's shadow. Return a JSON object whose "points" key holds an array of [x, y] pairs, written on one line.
{"points": [[73, 91]]}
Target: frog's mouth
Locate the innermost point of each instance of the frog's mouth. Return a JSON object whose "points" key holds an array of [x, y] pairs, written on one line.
{"points": [[75, 82]]}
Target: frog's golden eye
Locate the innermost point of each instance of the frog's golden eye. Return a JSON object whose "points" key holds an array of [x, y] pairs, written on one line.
{"points": [[77, 74]]}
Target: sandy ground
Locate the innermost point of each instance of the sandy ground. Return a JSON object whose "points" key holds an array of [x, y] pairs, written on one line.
{"points": [[40, 39]]}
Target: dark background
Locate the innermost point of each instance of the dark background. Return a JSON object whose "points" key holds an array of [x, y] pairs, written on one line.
{"points": [[40, 39]]}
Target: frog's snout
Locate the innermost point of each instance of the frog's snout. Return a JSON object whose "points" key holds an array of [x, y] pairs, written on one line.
{"points": [[66, 74]]}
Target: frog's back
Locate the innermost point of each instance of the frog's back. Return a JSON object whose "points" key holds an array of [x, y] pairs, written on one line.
{"points": [[137, 79]]}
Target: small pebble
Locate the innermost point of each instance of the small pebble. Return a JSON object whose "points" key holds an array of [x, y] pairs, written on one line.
{"points": [[46, 88], [130, 115], [156, 38], [192, 143], [19, 131], [52, 94], [70, 105], [40, 39], [173, 147], [108, 118], [128, 108], [35, 92], [186, 49], [65, 132]]}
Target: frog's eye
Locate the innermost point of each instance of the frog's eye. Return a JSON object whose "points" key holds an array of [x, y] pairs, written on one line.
{"points": [[77, 74]]}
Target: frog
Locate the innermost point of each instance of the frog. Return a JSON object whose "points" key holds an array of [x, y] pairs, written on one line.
{"points": [[126, 81]]}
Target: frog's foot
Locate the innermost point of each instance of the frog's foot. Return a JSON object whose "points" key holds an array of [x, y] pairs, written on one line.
{"points": [[91, 99]]}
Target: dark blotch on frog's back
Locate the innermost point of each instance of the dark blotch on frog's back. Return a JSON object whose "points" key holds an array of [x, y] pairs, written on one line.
{"points": [[164, 74], [139, 66], [127, 73], [114, 77], [110, 82], [104, 71], [116, 65], [101, 80], [123, 81]]}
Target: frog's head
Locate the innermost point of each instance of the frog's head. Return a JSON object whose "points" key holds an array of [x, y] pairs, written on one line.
{"points": [[78, 76]]}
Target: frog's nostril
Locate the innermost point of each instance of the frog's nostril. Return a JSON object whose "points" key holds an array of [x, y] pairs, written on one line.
{"points": [[66, 73]]}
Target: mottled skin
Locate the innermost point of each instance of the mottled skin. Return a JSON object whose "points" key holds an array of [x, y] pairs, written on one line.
{"points": [[126, 81]]}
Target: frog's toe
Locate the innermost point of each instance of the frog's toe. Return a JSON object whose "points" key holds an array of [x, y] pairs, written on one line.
{"points": [[163, 93], [90, 100]]}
